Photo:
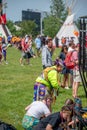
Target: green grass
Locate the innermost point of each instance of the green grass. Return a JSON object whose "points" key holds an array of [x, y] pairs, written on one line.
{"points": [[16, 87]]}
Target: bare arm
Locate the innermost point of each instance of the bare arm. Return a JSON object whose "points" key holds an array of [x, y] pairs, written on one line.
{"points": [[26, 108], [72, 122], [47, 114]]}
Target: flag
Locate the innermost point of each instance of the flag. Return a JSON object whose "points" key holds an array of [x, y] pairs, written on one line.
{"points": [[3, 18]]}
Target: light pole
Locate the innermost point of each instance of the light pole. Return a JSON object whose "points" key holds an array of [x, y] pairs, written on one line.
{"points": [[43, 15], [41, 28]]}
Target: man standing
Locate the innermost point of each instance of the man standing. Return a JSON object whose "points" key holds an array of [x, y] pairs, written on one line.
{"points": [[38, 45], [47, 52]]}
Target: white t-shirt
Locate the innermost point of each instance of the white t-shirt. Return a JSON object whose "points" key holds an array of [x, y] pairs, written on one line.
{"points": [[38, 109], [70, 49]]}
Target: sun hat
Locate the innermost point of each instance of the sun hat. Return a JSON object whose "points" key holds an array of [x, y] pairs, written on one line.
{"points": [[59, 62]]}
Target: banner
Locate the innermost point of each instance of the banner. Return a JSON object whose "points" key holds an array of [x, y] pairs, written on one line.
{"points": [[3, 19]]}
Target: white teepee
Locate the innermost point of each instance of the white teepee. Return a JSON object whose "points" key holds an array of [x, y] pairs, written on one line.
{"points": [[4, 31], [68, 30]]}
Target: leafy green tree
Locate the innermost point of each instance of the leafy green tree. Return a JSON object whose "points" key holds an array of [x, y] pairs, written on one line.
{"points": [[11, 27], [28, 27], [58, 9], [54, 21], [51, 25]]}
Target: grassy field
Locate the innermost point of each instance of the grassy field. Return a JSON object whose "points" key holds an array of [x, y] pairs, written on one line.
{"points": [[16, 87]]}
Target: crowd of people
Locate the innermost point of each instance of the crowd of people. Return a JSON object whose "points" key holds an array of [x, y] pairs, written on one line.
{"points": [[47, 85], [44, 119]]}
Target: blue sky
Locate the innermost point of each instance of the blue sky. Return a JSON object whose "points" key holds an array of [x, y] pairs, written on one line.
{"points": [[16, 6]]}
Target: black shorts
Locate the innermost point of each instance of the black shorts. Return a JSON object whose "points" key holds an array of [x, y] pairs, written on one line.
{"points": [[65, 70], [29, 55], [39, 127]]}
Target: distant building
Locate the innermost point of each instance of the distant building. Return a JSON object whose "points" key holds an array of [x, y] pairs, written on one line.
{"points": [[32, 15]]}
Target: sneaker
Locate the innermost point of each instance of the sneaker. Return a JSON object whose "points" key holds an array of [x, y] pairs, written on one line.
{"points": [[22, 64], [66, 87], [6, 63], [30, 64]]}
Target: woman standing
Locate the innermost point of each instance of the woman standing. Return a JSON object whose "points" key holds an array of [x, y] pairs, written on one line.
{"points": [[76, 73], [65, 71]]}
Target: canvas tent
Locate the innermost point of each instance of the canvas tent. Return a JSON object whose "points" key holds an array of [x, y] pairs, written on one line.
{"points": [[4, 31], [68, 30]]}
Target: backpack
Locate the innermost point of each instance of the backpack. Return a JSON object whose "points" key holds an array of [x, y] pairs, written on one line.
{"points": [[77, 106], [52, 91], [5, 126], [68, 62], [46, 71]]}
